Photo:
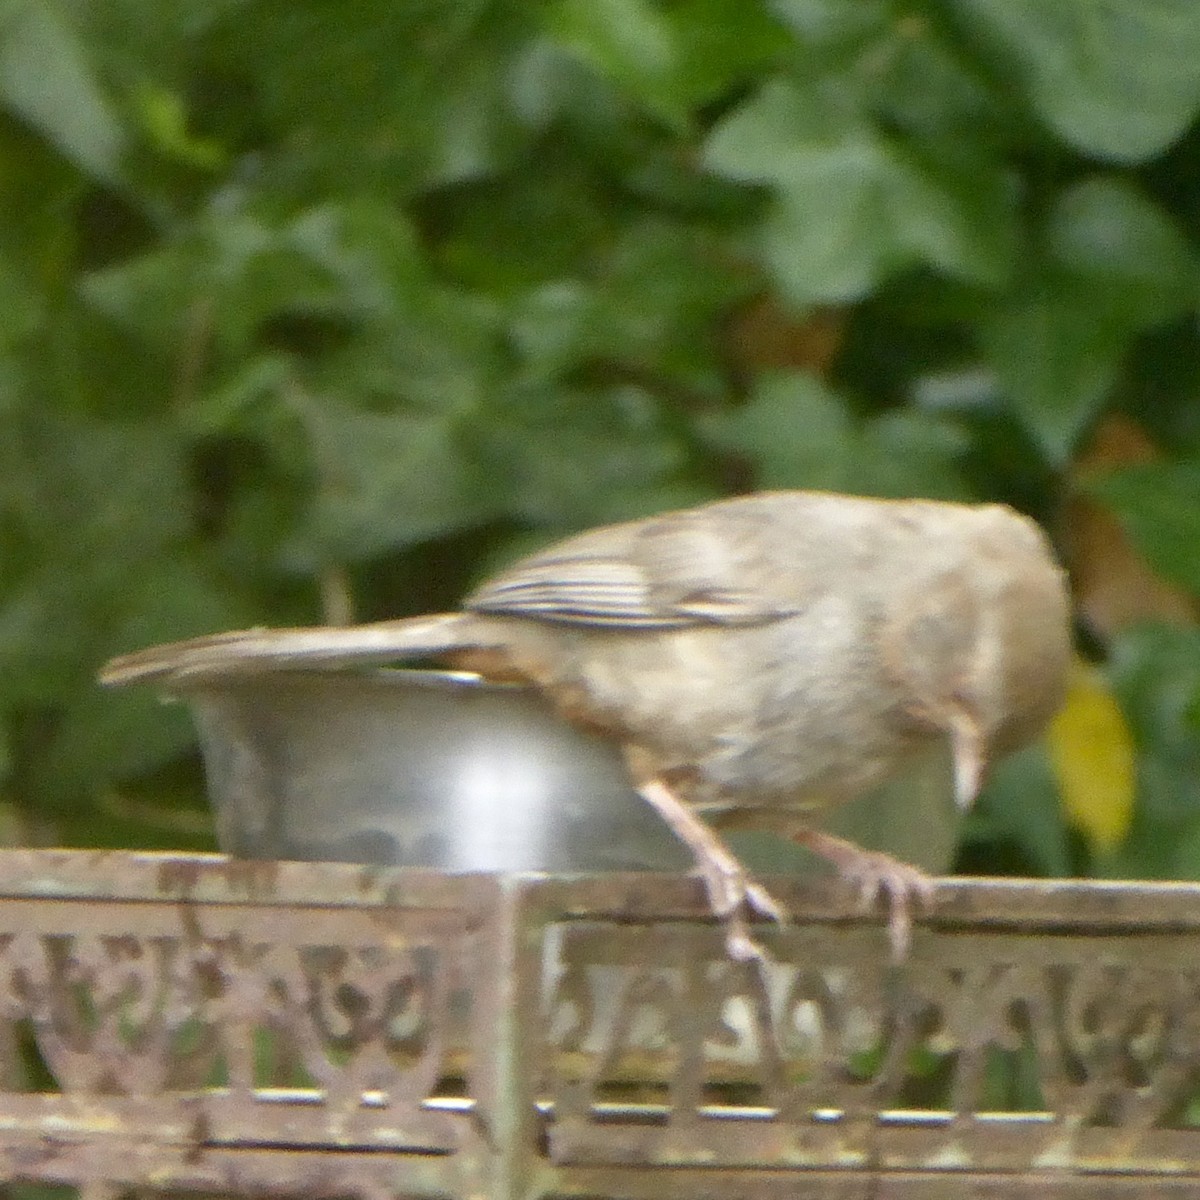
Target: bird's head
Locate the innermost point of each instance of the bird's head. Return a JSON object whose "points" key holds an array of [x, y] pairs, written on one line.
{"points": [[981, 636]]}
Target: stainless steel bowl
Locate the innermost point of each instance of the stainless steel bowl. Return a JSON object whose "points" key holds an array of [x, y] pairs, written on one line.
{"points": [[443, 770]]}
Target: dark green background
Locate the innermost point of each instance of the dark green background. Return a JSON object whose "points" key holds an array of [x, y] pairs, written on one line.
{"points": [[321, 309]]}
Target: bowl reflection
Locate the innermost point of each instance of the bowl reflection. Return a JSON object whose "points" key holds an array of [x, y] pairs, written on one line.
{"points": [[442, 770]]}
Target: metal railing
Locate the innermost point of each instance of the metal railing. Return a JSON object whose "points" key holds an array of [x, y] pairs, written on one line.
{"points": [[176, 1023]]}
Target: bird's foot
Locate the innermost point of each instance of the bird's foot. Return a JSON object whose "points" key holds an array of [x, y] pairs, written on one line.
{"points": [[731, 890], [730, 886], [875, 874]]}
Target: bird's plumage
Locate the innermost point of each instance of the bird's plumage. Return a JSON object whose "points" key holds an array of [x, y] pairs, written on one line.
{"points": [[768, 655]]}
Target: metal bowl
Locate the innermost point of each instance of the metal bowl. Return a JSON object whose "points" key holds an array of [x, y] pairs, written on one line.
{"points": [[444, 770]]}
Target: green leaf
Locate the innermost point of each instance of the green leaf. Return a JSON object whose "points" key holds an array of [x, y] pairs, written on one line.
{"points": [[629, 41], [527, 228], [87, 505], [46, 78], [565, 458], [795, 431], [1115, 265], [799, 434], [553, 325], [353, 262], [407, 96], [1119, 80], [149, 294], [103, 735], [852, 205], [955, 214], [1155, 672], [44, 621], [1106, 230], [165, 121], [1159, 504], [907, 453], [78, 488], [223, 410], [661, 295], [22, 303], [1057, 358], [385, 480], [769, 137], [824, 23], [1020, 805], [932, 90], [471, 135], [827, 238], [721, 42]]}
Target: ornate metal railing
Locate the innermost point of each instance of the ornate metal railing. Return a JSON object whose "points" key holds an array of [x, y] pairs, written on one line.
{"points": [[194, 1024]]}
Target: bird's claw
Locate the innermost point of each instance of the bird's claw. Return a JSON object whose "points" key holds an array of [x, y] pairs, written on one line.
{"points": [[874, 874], [901, 885], [730, 892], [762, 902]]}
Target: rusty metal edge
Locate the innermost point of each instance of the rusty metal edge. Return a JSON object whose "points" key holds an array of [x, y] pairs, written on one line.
{"points": [[119, 1165], [1022, 905], [132, 875], [618, 1183], [1019, 904]]}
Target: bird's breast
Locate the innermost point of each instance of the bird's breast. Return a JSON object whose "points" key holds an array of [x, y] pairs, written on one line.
{"points": [[795, 711]]}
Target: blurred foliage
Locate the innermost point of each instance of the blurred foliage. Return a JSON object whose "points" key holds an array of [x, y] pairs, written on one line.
{"points": [[322, 310]]}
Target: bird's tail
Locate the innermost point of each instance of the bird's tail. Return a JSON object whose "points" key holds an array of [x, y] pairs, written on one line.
{"points": [[250, 651]]}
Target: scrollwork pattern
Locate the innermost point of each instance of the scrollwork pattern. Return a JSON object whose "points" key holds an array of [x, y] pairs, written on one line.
{"points": [[1068, 1035]]}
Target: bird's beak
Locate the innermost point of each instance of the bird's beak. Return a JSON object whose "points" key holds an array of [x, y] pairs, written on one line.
{"points": [[966, 744]]}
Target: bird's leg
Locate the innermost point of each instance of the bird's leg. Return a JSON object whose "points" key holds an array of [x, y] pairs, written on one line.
{"points": [[728, 885], [873, 872]]}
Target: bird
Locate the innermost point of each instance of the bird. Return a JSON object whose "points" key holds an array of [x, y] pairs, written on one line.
{"points": [[759, 659]]}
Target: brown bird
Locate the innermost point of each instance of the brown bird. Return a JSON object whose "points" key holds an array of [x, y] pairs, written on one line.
{"points": [[759, 660]]}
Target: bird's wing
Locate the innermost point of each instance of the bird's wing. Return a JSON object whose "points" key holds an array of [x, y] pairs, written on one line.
{"points": [[697, 567]]}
